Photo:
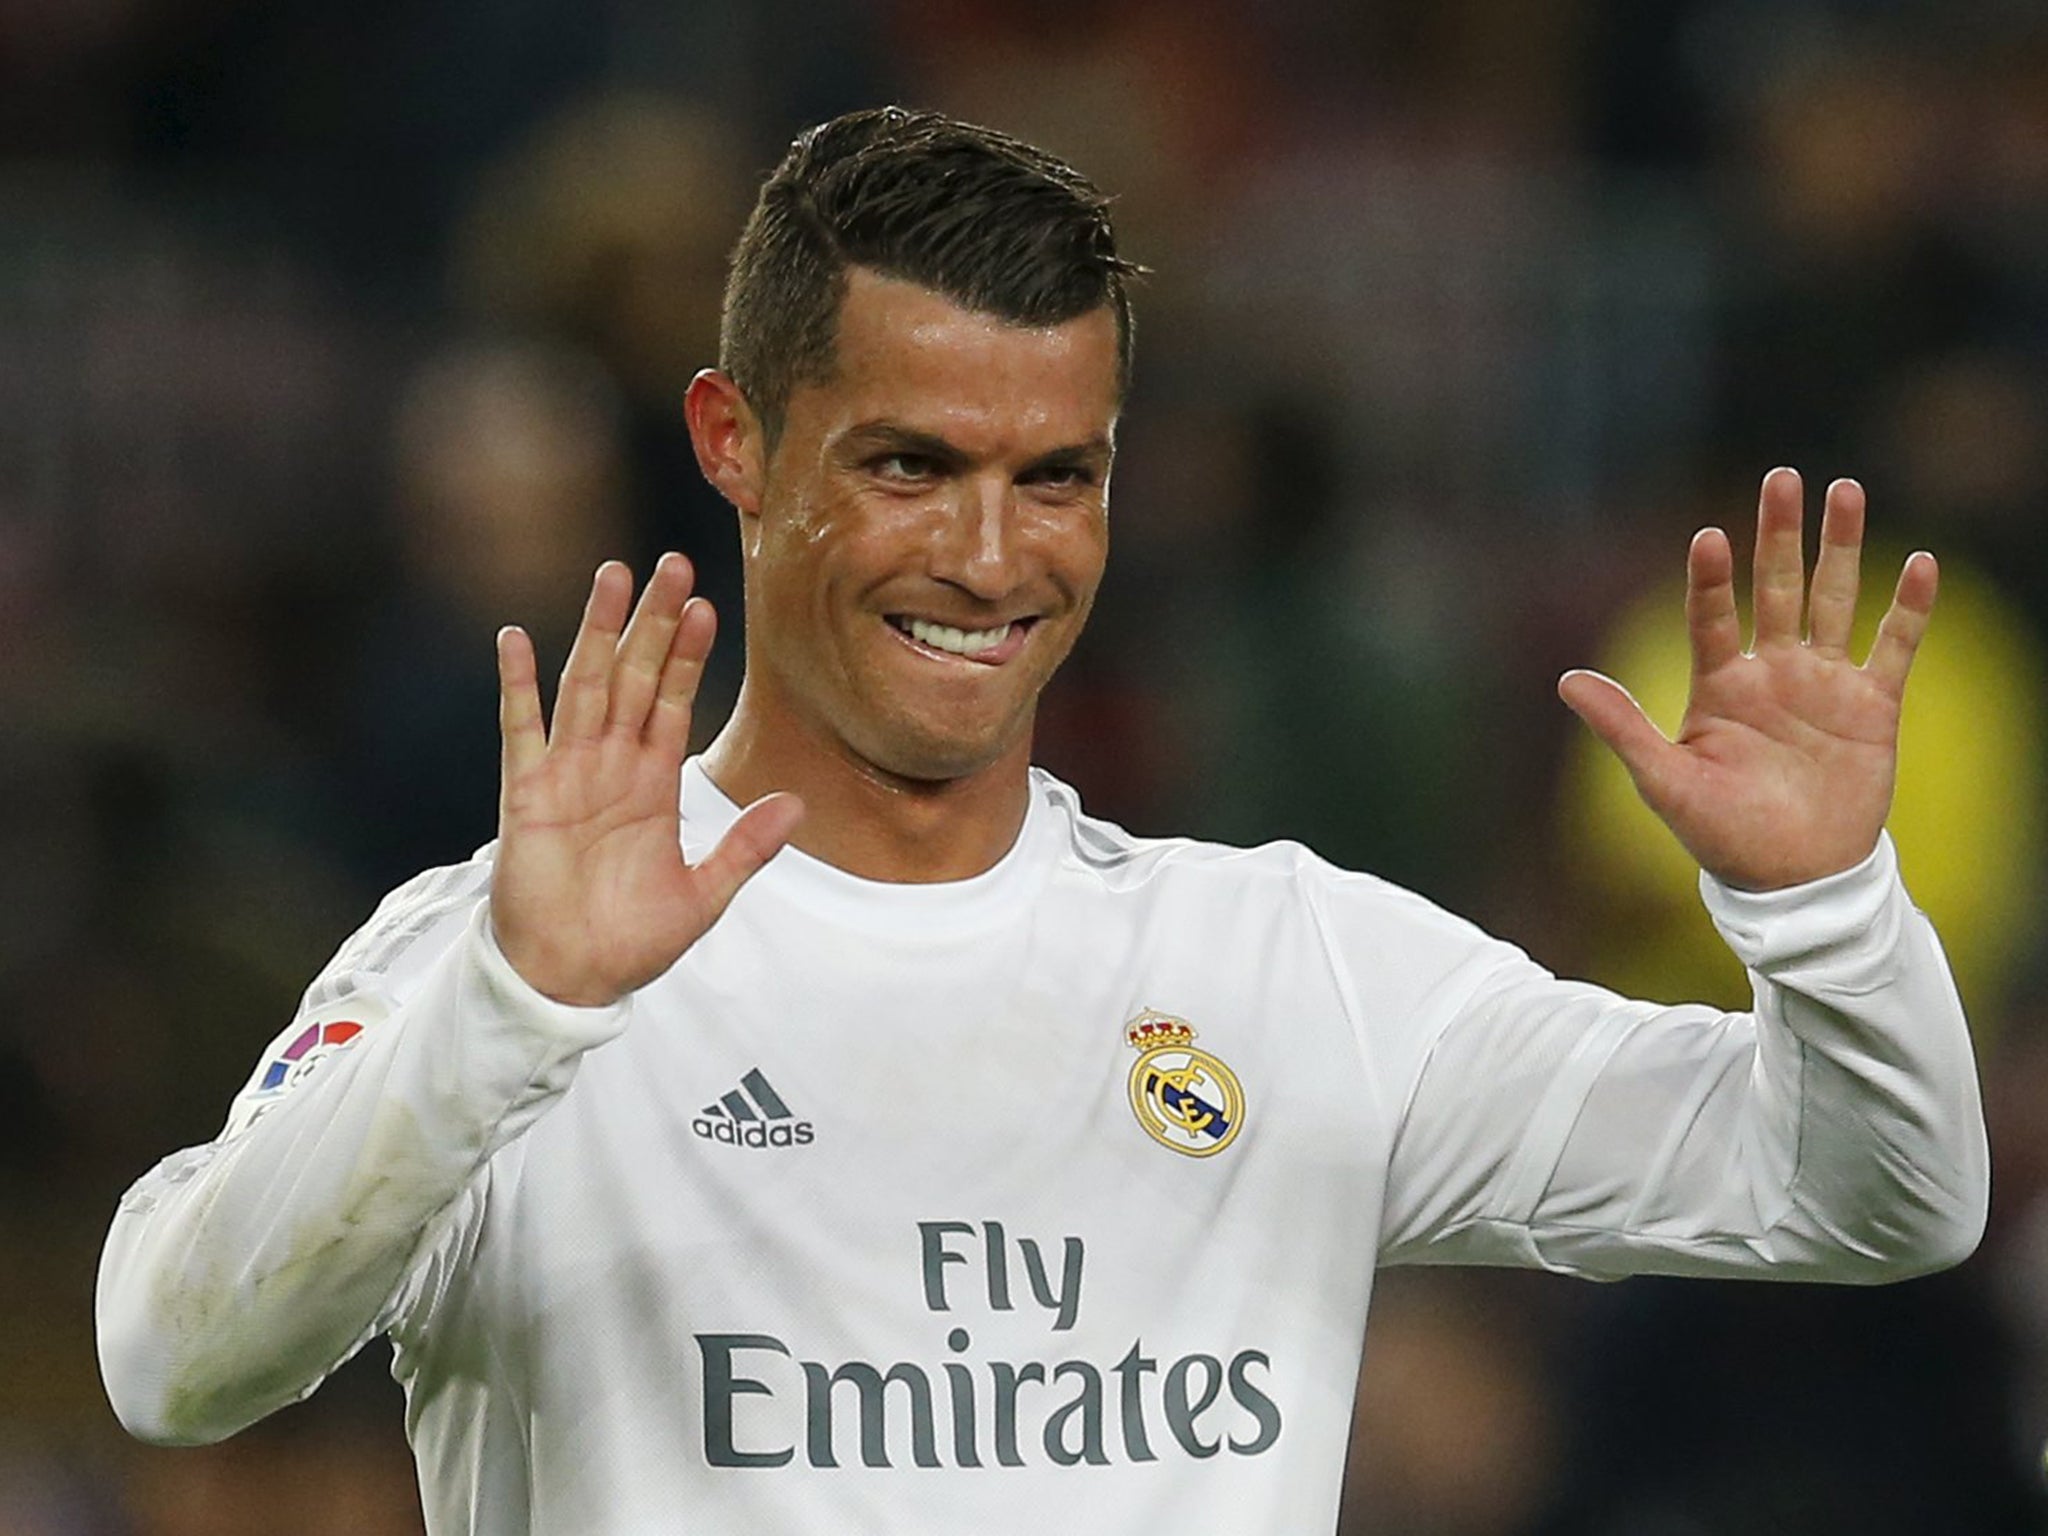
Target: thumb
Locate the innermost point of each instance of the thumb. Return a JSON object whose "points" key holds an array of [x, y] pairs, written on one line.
{"points": [[750, 842], [1612, 714]]}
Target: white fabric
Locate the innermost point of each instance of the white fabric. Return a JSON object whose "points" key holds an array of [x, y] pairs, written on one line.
{"points": [[958, 1247]]}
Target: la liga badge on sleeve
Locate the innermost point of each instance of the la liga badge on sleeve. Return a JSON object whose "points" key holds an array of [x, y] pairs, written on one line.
{"points": [[1183, 1096]]}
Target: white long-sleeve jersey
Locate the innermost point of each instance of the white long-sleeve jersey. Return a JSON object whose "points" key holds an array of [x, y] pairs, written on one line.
{"points": [[1046, 1200]]}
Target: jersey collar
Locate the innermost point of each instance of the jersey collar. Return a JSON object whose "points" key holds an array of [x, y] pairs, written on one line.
{"points": [[982, 901]]}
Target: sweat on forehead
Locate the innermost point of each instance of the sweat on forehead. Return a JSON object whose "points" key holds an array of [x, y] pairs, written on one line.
{"points": [[918, 366]]}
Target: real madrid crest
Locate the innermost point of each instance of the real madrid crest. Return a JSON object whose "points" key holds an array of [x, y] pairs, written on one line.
{"points": [[1184, 1097]]}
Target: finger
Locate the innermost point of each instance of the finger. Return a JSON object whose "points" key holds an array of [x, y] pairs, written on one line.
{"points": [[1614, 716], [522, 733], [1904, 623], [1711, 621], [668, 723], [586, 679], [759, 834], [643, 650], [1831, 605], [1780, 568]]}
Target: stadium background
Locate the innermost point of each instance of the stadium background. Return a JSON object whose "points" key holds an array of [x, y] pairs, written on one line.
{"points": [[332, 336]]}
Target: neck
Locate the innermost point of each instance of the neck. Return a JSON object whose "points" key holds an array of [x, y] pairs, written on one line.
{"points": [[870, 822]]}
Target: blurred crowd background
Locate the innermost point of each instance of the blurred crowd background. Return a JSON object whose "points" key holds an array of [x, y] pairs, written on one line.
{"points": [[334, 336]]}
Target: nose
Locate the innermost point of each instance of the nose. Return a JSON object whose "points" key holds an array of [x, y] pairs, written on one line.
{"points": [[979, 550]]}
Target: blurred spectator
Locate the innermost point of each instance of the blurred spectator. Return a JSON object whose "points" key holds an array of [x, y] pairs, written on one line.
{"points": [[511, 488], [1340, 670], [1727, 1410], [1965, 436], [607, 230], [1457, 1434], [336, 1482], [39, 1499]]}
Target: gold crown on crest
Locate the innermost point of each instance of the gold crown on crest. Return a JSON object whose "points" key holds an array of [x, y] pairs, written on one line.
{"points": [[1152, 1029]]}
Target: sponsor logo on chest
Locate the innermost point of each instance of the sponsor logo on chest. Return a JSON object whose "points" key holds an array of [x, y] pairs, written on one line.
{"points": [[768, 1403]]}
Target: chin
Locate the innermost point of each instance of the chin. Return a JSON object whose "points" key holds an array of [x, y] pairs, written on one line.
{"points": [[919, 753]]}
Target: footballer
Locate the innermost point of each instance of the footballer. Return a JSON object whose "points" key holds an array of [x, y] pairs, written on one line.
{"points": [[843, 1131]]}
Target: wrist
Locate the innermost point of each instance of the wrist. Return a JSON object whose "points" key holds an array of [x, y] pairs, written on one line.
{"points": [[1783, 874], [547, 974]]}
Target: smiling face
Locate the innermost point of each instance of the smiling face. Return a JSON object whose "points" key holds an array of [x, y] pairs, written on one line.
{"points": [[928, 534]]}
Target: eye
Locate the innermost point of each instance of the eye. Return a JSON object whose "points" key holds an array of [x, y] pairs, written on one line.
{"points": [[904, 468], [1061, 477]]}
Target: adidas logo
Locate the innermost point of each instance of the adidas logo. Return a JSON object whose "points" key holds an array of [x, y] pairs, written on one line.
{"points": [[752, 1115]]}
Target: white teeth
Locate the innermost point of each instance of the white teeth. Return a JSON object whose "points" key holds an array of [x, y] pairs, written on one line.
{"points": [[961, 642]]}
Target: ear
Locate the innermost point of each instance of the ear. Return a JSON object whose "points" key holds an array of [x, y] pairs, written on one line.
{"points": [[727, 436]]}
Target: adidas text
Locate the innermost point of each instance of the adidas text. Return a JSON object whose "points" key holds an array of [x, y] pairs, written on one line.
{"points": [[754, 1133]]}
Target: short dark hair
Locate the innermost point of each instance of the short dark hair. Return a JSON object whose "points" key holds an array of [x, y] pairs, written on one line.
{"points": [[992, 223]]}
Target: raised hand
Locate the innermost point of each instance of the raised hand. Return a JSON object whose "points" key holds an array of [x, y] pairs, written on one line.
{"points": [[591, 898], [1783, 767]]}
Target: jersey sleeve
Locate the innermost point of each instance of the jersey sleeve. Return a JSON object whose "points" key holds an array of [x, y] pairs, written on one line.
{"points": [[238, 1274], [1835, 1132]]}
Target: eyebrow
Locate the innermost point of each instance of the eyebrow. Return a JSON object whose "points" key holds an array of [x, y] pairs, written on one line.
{"points": [[880, 437], [1094, 453]]}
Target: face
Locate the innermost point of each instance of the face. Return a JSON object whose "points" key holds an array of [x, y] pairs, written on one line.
{"points": [[930, 531]]}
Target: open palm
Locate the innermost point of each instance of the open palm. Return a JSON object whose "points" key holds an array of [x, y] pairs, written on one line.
{"points": [[591, 898], [1783, 767]]}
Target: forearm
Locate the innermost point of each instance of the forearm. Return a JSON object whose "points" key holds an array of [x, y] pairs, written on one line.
{"points": [[1858, 1014], [1832, 1134], [237, 1275]]}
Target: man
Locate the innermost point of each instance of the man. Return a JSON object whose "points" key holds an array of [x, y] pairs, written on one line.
{"points": [[978, 1167]]}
